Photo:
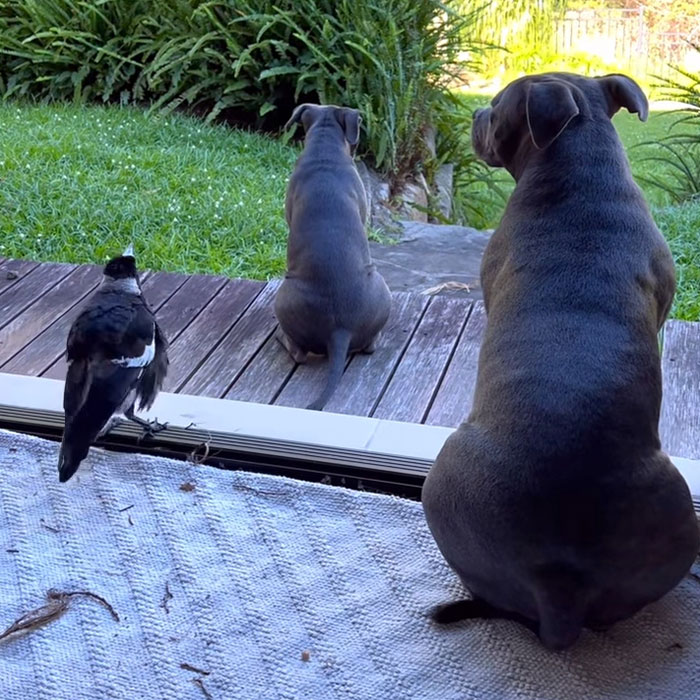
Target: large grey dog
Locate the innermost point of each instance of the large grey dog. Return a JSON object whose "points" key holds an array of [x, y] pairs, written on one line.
{"points": [[554, 501], [333, 300]]}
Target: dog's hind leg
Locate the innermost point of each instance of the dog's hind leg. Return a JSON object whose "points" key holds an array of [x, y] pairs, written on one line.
{"points": [[296, 353]]}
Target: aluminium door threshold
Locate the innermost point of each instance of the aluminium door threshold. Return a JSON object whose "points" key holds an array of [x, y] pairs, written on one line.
{"points": [[380, 454]]}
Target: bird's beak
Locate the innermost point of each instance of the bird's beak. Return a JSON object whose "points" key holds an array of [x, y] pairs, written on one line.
{"points": [[129, 252]]}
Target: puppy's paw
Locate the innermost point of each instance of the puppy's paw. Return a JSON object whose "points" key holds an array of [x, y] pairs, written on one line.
{"points": [[296, 353], [369, 349]]}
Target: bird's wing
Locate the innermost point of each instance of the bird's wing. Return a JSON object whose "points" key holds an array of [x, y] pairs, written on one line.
{"points": [[154, 374], [76, 387], [110, 387], [109, 344], [115, 329]]}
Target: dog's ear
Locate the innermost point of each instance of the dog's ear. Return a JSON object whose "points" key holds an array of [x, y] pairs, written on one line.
{"points": [[297, 115], [549, 107], [621, 91], [350, 120]]}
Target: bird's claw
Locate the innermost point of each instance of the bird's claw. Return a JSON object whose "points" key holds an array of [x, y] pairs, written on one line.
{"points": [[152, 428]]}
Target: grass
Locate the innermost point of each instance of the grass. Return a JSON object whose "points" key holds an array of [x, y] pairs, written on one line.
{"points": [[681, 227], [78, 184]]}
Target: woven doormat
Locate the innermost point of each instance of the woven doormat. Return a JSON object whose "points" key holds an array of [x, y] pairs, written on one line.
{"points": [[234, 586]]}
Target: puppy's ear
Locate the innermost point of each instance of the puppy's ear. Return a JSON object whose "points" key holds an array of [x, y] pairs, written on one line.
{"points": [[621, 91], [350, 120], [296, 115], [549, 107]]}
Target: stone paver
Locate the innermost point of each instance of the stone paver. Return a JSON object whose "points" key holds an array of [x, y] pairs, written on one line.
{"points": [[430, 255]]}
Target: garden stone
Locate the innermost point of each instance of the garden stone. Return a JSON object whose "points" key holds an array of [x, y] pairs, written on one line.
{"points": [[378, 194], [443, 183], [414, 194], [433, 257]]}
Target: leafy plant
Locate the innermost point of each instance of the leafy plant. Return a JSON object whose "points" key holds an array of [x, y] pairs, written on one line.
{"points": [[247, 61], [678, 154]]}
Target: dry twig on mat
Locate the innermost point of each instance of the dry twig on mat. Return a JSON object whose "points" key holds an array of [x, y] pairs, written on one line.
{"points": [[166, 597], [58, 603], [189, 667], [203, 688]]}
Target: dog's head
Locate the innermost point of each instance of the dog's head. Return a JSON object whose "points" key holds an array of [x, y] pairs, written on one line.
{"points": [[531, 113], [343, 119]]}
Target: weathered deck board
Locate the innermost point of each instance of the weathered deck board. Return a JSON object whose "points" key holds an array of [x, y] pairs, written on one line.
{"points": [[13, 271], [160, 286], [222, 344], [417, 378], [265, 375], [195, 343], [38, 318], [28, 288], [184, 306], [306, 383], [230, 357], [367, 376], [680, 409], [453, 401]]}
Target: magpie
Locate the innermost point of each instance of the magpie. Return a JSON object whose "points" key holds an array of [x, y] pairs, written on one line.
{"points": [[116, 355]]}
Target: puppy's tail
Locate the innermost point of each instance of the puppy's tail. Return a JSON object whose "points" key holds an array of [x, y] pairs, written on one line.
{"points": [[337, 350]]}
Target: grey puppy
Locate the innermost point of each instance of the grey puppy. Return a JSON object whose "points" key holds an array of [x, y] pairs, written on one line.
{"points": [[554, 501], [333, 300]]}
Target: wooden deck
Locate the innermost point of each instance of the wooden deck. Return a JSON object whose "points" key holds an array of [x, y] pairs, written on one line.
{"points": [[222, 345]]}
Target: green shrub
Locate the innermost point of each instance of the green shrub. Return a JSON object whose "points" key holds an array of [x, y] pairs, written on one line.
{"points": [[678, 154], [247, 61]]}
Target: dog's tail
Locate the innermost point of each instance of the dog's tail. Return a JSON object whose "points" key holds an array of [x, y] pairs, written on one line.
{"points": [[337, 350], [561, 605]]}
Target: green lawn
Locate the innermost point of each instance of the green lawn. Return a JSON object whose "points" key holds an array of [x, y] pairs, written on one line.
{"points": [[78, 184]]}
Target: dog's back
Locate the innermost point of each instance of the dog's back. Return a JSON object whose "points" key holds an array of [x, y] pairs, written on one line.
{"points": [[326, 210], [332, 300]]}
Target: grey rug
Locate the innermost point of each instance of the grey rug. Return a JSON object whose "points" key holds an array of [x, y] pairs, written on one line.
{"points": [[231, 586]]}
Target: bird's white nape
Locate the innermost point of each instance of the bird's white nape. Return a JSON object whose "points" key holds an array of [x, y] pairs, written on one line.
{"points": [[125, 284], [142, 360], [129, 252]]}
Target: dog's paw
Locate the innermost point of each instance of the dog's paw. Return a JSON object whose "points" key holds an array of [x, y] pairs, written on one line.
{"points": [[296, 353]]}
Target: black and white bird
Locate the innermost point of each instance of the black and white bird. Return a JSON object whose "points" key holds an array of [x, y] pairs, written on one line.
{"points": [[117, 355]]}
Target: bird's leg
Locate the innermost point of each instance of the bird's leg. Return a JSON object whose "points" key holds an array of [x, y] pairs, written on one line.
{"points": [[112, 423], [150, 427]]}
